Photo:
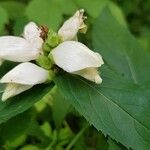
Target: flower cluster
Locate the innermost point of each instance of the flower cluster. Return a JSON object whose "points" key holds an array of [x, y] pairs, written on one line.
{"points": [[61, 49]]}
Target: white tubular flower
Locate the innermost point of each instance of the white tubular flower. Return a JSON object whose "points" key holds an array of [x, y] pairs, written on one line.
{"points": [[70, 28], [20, 49], [23, 77], [74, 57], [32, 34]]}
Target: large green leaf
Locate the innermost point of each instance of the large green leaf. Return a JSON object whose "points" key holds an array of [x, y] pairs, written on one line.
{"points": [[15, 9], [120, 106], [10, 127], [49, 12], [22, 102], [92, 7], [59, 112], [45, 12], [113, 145], [3, 18]]}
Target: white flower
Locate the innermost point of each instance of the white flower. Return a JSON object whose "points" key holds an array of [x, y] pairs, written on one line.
{"points": [[74, 57], [20, 49], [70, 28], [32, 34], [23, 77]]}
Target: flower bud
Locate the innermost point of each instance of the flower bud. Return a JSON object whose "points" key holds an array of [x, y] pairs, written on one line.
{"points": [[44, 62], [46, 47], [70, 28], [52, 41]]}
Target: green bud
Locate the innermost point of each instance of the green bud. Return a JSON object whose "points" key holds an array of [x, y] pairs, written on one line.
{"points": [[50, 56], [51, 75], [46, 47], [53, 39], [44, 62]]}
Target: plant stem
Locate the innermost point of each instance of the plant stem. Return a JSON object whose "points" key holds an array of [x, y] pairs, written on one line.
{"points": [[75, 139]]}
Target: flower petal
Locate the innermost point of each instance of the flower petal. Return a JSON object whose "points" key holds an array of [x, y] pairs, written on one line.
{"points": [[32, 34], [71, 27], [73, 56], [27, 74], [90, 74], [17, 49], [14, 89], [31, 31]]}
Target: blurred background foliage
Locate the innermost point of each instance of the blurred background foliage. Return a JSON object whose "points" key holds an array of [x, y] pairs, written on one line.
{"points": [[52, 124]]}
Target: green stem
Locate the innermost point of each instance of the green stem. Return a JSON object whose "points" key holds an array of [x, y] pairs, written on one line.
{"points": [[75, 139]]}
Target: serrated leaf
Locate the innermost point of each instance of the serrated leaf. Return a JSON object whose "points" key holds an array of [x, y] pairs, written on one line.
{"points": [[120, 106], [113, 145]]}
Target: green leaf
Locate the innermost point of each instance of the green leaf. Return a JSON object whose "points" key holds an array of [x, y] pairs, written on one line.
{"points": [[45, 12], [95, 7], [50, 12], [16, 143], [3, 18], [5, 67], [10, 127], [92, 7], [144, 38], [30, 147], [117, 13], [19, 25], [71, 7], [37, 132], [22, 102], [46, 128], [15, 9], [119, 106], [113, 145], [59, 112]]}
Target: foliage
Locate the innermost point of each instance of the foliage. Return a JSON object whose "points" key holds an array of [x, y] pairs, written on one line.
{"points": [[115, 106], [51, 116]]}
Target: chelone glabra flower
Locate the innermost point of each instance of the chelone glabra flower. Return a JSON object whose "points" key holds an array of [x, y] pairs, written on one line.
{"points": [[74, 57], [22, 49], [70, 28], [21, 78]]}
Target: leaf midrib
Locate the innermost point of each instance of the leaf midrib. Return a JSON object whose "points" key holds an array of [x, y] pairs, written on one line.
{"points": [[111, 101], [130, 65]]}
